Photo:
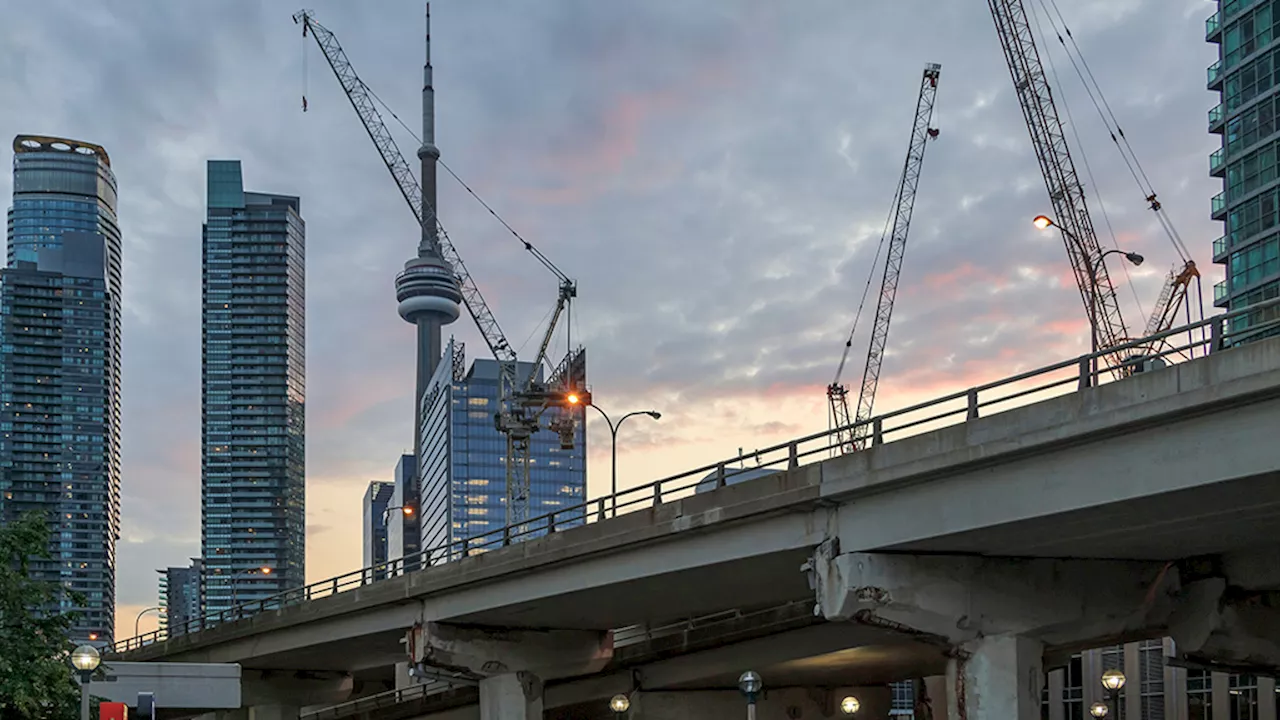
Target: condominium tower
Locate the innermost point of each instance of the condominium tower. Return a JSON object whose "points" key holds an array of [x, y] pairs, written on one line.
{"points": [[1247, 78], [462, 476], [253, 420], [60, 318]]}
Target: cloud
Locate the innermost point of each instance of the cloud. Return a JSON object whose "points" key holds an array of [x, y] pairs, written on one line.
{"points": [[716, 178]]}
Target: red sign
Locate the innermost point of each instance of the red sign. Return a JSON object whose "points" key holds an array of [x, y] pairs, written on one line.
{"points": [[113, 711]]}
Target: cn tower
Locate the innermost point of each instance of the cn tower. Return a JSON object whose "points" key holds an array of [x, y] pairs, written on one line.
{"points": [[427, 290]]}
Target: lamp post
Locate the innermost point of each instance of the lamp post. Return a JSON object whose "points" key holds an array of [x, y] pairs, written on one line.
{"points": [[1044, 222], [750, 684], [850, 705], [236, 576], [85, 660], [619, 704], [613, 432], [1112, 681], [138, 619]]}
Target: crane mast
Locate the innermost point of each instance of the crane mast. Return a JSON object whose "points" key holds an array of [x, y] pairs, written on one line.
{"points": [[847, 438], [1066, 194], [520, 406]]}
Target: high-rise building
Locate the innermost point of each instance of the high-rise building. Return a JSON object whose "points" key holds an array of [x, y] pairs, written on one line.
{"points": [[180, 597], [403, 528], [1247, 78], [374, 509], [462, 478], [253, 456], [60, 319]]}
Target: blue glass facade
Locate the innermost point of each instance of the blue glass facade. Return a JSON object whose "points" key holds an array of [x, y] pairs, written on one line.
{"points": [[1247, 78], [462, 482], [179, 597], [374, 511], [60, 319], [253, 417]]}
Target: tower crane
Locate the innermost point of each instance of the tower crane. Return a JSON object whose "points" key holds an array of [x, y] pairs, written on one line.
{"points": [[850, 435], [521, 404], [1066, 193]]}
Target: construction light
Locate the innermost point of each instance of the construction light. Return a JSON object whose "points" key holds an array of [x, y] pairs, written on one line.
{"points": [[1042, 222], [573, 399], [577, 398], [408, 509]]}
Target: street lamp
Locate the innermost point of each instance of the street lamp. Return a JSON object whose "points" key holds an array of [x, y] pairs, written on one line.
{"points": [[1112, 681], [850, 705], [1043, 222], [236, 577], [138, 619], [613, 432], [1098, 710], [750, 684], [85, 659], [619, 704]]}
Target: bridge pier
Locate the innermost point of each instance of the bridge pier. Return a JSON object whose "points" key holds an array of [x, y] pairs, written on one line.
{"points": [[512, 696], [1000, 678]]}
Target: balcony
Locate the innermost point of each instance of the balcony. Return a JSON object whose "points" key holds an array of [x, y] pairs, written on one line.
{"points": [[1220, 294], [1221, 249], [1217, 119], [1213, 27], [1215, 76], [1217, 163], [1219, 205]]}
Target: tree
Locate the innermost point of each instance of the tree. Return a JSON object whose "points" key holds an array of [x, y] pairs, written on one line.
{"points": [[36, 678]]}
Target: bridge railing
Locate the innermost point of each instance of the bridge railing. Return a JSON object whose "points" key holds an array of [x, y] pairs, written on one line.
{"points": [[1144, 355]]}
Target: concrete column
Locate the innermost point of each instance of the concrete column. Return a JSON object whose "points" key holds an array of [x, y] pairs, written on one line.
{"points": [[1133, 680], [512, 696], [1057, 686], [1221, 685], [1003, 679], [940, 692], [1267, 698]]}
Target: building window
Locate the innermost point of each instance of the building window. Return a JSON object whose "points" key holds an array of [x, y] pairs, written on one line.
{"points": [[1199, 695], [903, 696], [1151, 682], [1073, 689], [1243, 702]]}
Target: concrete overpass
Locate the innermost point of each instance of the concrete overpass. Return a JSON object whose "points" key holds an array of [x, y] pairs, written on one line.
{"points": [[1138, 508]]}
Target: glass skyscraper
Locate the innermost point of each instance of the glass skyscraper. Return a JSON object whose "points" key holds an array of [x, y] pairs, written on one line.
{"points": [[180, 596], [462, 478], [1247, 77], [374, 510], [253, 456], [60, 368]]}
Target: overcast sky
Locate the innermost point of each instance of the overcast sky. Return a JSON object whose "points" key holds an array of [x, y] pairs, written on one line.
{"points": [[715, 175]]}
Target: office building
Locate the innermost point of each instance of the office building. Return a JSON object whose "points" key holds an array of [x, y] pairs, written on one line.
{"points": [[1247, 79], [253, 377], [403, 529], [462, 483], [60, 340], [374, 511], [180, 597]]}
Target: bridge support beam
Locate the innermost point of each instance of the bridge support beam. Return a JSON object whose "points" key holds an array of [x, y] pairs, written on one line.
{"points": [[1001, 677], [874, 702], [512, 696]]}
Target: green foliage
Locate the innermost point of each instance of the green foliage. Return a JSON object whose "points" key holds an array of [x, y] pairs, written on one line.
{"points": [[36, 677]]}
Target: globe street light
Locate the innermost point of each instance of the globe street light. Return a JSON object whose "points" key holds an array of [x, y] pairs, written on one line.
{"points": [[620, 704], [850, 705], [613, 432], [1112, 681], [750, 684], [1098, 710], [1044, 222], [85, 659]]}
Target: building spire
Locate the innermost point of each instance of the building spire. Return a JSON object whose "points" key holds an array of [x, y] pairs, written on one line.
{"points": [[428, 154]]}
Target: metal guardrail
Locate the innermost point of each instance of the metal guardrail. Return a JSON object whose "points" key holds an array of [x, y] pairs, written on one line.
{"points": [[1201, 337]]}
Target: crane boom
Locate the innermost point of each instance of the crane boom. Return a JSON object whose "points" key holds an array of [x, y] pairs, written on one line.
{"points": [[1066, 194], [1174, 294], [903, 210], [851, 438], [515, 418]]}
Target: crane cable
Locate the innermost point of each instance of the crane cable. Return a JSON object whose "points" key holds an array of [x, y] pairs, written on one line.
{"points": [[1084, 158], [866, 290], [1121, 141], [533, 250]]}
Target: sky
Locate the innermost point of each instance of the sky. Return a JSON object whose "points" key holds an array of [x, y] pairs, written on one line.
{"points": [[715, 175]]}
